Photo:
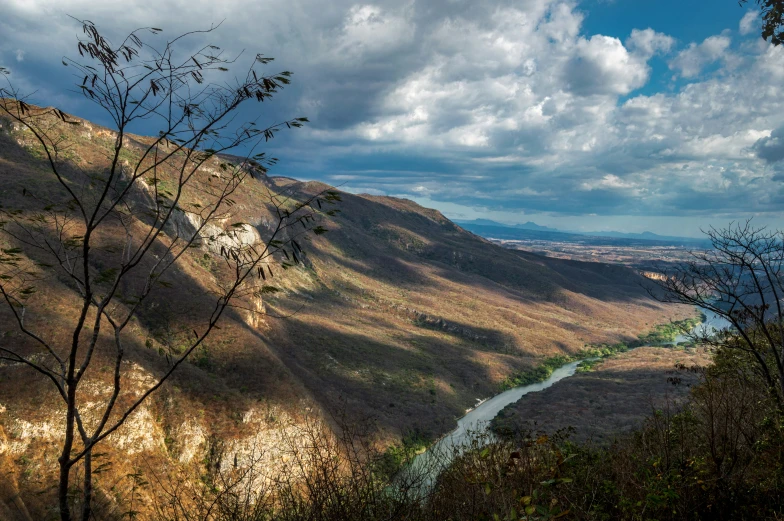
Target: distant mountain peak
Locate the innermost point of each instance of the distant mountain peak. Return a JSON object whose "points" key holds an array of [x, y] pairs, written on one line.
{"points": [[490, 228], [530, 225]]}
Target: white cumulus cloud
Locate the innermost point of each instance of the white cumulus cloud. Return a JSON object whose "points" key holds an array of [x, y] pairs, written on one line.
{"points": [[691, 61], [508, 102], [648, 42], [749, 23], [602, 65]]}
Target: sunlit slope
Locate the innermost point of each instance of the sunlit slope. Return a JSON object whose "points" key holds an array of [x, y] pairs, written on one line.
{"points": [[411, 318], [397, 314]]}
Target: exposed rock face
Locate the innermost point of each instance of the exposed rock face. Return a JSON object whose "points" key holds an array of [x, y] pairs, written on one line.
{"points": [[191, 437], [653, 275], [267, 439], [12, 508], [216, 236]]}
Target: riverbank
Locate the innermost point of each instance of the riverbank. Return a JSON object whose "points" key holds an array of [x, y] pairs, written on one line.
{"points": [[611, 399], [661, 335], [543, 376]]}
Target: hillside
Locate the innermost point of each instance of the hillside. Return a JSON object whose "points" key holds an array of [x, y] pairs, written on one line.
{"points": [[611, 399], [397, 315]]}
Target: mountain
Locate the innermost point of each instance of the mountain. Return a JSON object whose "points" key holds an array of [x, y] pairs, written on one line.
{"points": [[487, 222], [532, 231], [397, 315], [648, 236]]}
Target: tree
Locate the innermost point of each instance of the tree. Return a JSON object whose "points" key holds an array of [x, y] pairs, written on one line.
{"points": [[772, 19], [741, 278], [112, 234]]}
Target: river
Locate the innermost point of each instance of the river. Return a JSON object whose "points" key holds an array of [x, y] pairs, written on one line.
{"points": [[711, 324], [472, 428]]}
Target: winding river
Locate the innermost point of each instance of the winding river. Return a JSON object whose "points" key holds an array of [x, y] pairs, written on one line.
{"points": [[435, 458], [476, 421], [711, 324]]}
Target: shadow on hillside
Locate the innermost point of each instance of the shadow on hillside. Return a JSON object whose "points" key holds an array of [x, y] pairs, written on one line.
{"points": [[404, 376], [410, 364], [464, 258], [601, 405], [169, 317], [429, 372]]}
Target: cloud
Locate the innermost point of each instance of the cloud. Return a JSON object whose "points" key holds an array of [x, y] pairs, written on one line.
{"points": [[749, 23], [770, 148], [507, 105], [370, 30], [693, 59], [648, 42], [602, 65], [19, 55]]}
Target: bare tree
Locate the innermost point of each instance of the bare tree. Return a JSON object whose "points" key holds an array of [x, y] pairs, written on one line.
{"points": [[111, 234], [741, 279]]}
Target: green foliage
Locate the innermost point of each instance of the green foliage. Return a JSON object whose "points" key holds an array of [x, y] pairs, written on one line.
{"points": [[537, 374], [666, 333], [772, 19], [661, 334], [602, 350], [545, 369], [396, 456], [721, 457], [588, 366], [202, 358]]}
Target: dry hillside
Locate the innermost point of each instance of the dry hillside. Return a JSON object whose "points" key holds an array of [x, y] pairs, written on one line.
{"points": [[611, 399], [398, 315]]}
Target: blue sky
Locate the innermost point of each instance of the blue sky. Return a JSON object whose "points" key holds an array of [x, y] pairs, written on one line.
{"points": [[595, 115]]}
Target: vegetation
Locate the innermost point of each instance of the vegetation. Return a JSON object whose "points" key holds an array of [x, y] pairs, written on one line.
{"points": [[610, 398], [588, 365], [353, 332], [715, 458], [662, 334], [544, 370], [116, 233], [540, 373], [719, 457], [772, 19], [741, 279], [397, 456], [667, 333]]}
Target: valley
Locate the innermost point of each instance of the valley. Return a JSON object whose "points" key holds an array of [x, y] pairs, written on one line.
{"points": [[278, 261], [644, 252], [397, 316], [642, 257], [608, 399]]}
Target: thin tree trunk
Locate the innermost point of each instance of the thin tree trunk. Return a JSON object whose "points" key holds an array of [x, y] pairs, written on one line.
{"points": [[62, 489], [88, 486], [65, 456]]}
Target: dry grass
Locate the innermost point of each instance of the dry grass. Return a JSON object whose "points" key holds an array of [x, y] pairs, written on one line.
{"points": [[611, 399], [400, 315]]}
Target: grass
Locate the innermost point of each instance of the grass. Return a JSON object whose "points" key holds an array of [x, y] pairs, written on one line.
{"points": [[661, 334], [605, 396], [667, 333], [501, 309]]}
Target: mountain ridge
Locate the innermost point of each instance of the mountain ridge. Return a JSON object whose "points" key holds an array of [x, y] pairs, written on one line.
{"points": [[397, 314], [483, 225]]}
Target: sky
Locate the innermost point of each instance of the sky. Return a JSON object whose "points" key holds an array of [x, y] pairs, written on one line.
{"points": [[590, 115]]}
